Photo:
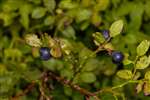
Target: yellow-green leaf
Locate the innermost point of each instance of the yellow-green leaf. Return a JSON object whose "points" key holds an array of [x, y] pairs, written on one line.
{"points": [[147, 88], [116, 28], [98, 38], [88, 77], [124, 74], [143, 47], [33, 40], [139, 87], [147, 75], [143, 62], [38, 12]]}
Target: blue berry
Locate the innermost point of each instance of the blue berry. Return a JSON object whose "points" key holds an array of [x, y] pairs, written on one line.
{"points": [[117, 57], [106, 34], [45, 53]]}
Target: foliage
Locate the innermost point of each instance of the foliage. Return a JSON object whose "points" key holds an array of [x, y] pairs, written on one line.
{"points": [[81, 65]]}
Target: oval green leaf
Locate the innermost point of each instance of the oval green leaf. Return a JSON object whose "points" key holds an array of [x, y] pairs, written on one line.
{"points": [[124, 74], [143, 62], [116, 28], [38, 12], [147, 75], [88, 77], [143, 47]]}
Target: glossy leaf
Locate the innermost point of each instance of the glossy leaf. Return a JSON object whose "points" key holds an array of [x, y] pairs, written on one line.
{"points": [[124, 74], [143, 62], [98, 38], [143, 47], [116, 28]]}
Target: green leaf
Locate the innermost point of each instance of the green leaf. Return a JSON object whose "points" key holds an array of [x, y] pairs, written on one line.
{"points": [[88, 77], [96, 19], [98, 38], [116, 28], [84, 25], [8, 17], [69, 32], [147, 75], [67, 73], [3, 69], [24, 12], [50, 4], [67, 90], [11, 5], [33, 40], [143, 47], [136, 16], [143, 62], [91, 65], [108, 96], [84, 53], [82, 15], [49, 20], [38, 12], [53, 64], [101, 5], [126, 61], [13, 53], [36, 1], [147, 8], [124, 74], [32, 75], [67, 4]]}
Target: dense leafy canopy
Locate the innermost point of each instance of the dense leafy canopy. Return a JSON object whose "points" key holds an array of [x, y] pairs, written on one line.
{"points": [[76, 27]]}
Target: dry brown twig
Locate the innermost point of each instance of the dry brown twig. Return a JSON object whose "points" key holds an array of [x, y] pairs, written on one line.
{"points": [[51, 75]]}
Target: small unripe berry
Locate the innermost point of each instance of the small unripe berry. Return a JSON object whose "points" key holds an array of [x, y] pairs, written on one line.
{"points": [[45, 53], [117, 57], [106, 34]]}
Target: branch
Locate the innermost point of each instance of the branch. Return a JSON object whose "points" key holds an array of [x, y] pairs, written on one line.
{"points": [[42, 87], [27, 90], [73, 86]]}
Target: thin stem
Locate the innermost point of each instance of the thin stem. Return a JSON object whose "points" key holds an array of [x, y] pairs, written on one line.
{"points": [[100, 48], [24, 92], [134, 70], [125, 83], [111, 89], [73, 86]]}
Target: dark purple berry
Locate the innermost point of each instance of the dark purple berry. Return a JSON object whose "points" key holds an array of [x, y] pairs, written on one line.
{"points": [[45, 53], [106, 34], [117, 57]]}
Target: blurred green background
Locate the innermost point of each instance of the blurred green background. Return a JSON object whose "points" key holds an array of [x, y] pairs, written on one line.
{"points": [[74, 21]]}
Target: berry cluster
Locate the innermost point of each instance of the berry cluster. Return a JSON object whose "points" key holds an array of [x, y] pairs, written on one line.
{"points": [[117, 57]]}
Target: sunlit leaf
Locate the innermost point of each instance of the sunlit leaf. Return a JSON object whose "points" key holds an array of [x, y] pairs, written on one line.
{"points": [[143, 47], [116, 28], [143, 62], [124, 74]]}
